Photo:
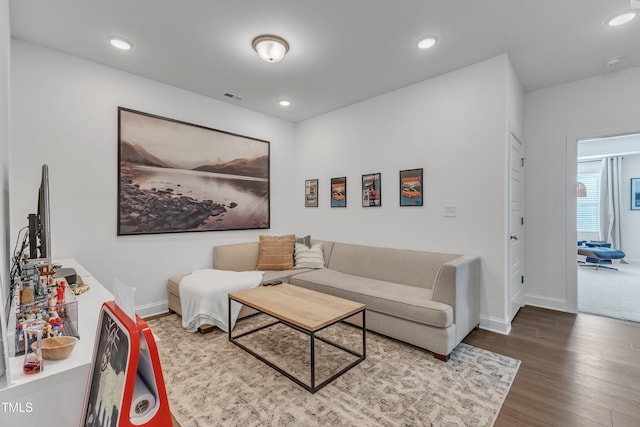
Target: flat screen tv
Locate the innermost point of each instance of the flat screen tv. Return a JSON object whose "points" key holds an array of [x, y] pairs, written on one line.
{"points": [[40, 223]]}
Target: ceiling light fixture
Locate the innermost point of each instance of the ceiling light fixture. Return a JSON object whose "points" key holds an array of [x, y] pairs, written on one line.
{"points": [[270, 48], [610, 62], [427, 42], [285, 103], [120, 43], [621, 18]]}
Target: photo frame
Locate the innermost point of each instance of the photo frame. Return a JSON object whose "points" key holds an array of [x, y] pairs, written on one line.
{"points": [[371, 190], [311, 193], [339, 192], [411, 187], [635, 194], [175, 176]]}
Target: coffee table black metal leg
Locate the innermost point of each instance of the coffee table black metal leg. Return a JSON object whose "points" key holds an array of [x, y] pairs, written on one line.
{"points": [[229, 317], [364, 335], [313, 362]]}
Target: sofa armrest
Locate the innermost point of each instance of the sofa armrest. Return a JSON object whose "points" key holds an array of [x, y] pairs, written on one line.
{"points": [[236, 257], [458, 284]]}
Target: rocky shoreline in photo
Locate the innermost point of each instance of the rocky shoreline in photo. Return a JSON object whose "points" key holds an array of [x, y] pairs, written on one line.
{"points": [[161, 210]]}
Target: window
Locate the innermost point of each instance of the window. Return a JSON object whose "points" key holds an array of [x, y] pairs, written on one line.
{"points": [[589, 205]]}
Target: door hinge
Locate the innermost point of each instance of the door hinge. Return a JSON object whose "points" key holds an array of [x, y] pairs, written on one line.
{"points": [[521, 220], [521, 279], [522, 162]]}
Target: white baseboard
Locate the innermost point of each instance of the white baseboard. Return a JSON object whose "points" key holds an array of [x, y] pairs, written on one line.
{"points": [[546, 302], [494, 324], [147, 310]]}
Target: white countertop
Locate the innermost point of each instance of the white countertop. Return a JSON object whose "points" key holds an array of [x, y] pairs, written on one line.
{"points": [[89, 304]]}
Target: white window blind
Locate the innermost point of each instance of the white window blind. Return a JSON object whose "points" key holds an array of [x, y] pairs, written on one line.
{"points": [[589, 206]]}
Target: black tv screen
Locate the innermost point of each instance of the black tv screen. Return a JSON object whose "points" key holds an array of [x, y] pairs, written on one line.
{"points": [[40, 223]]}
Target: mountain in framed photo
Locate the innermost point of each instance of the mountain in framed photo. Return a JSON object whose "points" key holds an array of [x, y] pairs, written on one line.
{"points": [[175, 177]]}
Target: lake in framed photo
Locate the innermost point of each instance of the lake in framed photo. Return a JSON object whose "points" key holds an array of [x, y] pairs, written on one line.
{"points": [[176, 177]]}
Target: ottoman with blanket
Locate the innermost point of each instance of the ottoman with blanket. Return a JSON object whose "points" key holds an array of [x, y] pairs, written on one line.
{"points": [[428, 299]]}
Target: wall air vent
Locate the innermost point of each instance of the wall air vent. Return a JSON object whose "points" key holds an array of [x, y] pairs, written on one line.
{"points": [[233, 96]]}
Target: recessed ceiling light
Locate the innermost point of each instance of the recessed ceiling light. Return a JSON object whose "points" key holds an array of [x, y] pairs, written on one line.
{"points": [[621, 18], [120, 43], [427, 42], [610, 62], [285, 103]]}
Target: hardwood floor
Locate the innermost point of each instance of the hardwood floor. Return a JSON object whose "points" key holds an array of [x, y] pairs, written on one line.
{"points": [[576, 370]]}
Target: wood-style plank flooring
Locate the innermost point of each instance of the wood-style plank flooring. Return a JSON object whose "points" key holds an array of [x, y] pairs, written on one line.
{"points": [[576, 370]]}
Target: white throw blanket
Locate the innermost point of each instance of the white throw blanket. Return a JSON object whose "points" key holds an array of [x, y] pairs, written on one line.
{"points": [[203, 296]]}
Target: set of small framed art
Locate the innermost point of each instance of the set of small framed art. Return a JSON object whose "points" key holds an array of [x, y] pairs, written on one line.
{"points": [[409, 190]]}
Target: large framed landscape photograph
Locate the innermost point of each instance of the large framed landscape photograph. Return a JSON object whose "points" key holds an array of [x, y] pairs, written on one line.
{"points": [[175, 176]]}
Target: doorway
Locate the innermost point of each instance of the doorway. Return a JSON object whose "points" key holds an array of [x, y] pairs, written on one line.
{"points": [[605, 212]]}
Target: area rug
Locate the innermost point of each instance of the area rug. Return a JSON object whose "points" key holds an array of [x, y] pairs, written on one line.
{"points": [[212, 382]]}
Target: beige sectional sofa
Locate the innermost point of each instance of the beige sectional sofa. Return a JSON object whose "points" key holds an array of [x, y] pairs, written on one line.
{"points": [[428, 299]]}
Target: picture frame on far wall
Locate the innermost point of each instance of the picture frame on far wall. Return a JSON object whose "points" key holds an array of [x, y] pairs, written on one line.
{"points": [[176, 177], [411, 187], [339, 192], [371, 190], [635, 194], [311, 193]]}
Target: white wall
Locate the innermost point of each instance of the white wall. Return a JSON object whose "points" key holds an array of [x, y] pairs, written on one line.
{"points": [[4, 177], [555, 118], [64, 113], [453, 126]]}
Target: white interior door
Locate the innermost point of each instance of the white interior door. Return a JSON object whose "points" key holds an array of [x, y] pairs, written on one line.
{"points": [[516, 224]]}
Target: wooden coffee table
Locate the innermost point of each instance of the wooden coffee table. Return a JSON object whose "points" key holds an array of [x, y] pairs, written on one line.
{"points": [[306, 311]]}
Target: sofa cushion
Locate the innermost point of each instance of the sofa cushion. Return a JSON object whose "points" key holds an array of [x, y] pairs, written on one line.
{"points": [[327, 248], [283, 275], [408, 267], [276, 252], [236, 257], [404, 301], [173, 284]]}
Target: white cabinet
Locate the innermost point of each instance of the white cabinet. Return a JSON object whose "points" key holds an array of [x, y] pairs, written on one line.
{"points": [[55, 396]]}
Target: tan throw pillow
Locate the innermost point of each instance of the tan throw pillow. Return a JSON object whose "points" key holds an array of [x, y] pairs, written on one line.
{"points": [[276, 252]]}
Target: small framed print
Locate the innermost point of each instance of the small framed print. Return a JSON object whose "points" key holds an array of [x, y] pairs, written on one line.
{"points": [[635, 194], [339, 192], [371, 190], [411, 187], [311, 193]]}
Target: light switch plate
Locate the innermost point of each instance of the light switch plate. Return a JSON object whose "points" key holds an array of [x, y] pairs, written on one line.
{"points": [[450, 212]]}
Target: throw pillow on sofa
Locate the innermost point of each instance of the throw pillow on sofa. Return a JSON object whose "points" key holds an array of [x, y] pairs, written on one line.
{"points": [[276, 252], [306, 240], [306, 257]]}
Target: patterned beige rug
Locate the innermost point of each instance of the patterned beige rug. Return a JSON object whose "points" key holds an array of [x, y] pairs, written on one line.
{"points": [[212, 382]]}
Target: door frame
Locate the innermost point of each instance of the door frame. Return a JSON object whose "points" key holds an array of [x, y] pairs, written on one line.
{"points": [[571, 237], [522, 292]]}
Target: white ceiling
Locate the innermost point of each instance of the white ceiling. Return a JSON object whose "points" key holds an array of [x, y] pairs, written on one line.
{"points": [[341, 51]]}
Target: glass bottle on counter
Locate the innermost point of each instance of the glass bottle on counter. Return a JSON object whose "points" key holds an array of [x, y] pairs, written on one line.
{"points": [[33, 353]]}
